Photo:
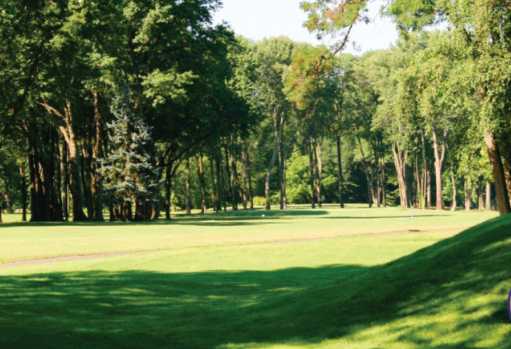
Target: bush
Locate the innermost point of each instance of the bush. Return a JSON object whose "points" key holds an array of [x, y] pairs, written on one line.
{"points": [[259, 201]]}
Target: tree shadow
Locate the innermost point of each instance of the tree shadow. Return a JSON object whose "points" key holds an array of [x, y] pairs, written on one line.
{"points": [[230, 218], [389, 216]]}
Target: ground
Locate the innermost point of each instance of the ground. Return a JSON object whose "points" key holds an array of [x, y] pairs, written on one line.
{"points": [[328, 278]]}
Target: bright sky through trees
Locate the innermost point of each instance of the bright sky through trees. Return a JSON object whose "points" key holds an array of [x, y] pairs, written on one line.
{"points": [[258, 19]]}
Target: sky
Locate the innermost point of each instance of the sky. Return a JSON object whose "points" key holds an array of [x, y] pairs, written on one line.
{"points": [[259, 19]]}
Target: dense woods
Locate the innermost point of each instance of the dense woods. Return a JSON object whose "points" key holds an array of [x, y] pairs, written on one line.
{"points": [[129, 110]]}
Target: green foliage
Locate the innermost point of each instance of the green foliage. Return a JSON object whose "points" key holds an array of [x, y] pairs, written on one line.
{"points": [[298, 179]]}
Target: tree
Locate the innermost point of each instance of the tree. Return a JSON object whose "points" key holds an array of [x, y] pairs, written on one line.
{"points": [[130, 179], [272, 58], [311, 86], [487, 41]]}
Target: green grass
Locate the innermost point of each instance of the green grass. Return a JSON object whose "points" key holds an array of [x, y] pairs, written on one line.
{"points": [[354, 278]]}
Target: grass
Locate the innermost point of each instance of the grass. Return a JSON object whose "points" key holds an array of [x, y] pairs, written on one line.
{"points": [[354, 278]]}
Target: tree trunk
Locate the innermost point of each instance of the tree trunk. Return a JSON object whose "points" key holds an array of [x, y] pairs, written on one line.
{"points": [[219, 182], [468, 193], [235, 180], [340, 177], [188, 191], [42, 157], [507, 176], [202, 184], [229, 180], [498, 174], [454, 203], [488, 196], [67, 131], [85, 176], [369, 175], [52, 178], [65, 182], [420, 200], [383, 199], [439, 152], [425, 177], [282, 165], [78, 214], [480, 197], [428, 188], [244, 186], [215, 187], [319, 172], [24, 189], [312, 167], [168, 192], [95, 185], [248, 177], [267, 179], [400, 165]]}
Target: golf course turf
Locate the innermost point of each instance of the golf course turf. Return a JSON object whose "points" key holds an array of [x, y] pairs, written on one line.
{"points": [[328, 278]]}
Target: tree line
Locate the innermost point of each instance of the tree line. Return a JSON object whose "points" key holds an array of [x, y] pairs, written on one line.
{"points": [[130, 109]]}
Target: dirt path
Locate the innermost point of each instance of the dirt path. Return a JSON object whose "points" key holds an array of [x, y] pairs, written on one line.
{"points": [[105, 255]]}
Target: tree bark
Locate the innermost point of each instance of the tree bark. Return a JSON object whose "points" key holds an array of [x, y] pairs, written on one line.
{"points": [[282, 164], [85, 177], [96, 154], [340, 177], [480, 197], [454, 203], [419, 200], [24, 189], [319, 172], [67, 131], [65, 182], [219, 182], [488, 196], [248, 177], [235, 180], [439, 152], [369, 175], [202, 184], [428, 188], [229, 180], [468, 193], [267, 179], [400, 157], [383, 194], [245, 190], [312, 167], [168, 191], [188, 191], [498, 174], [42, 158], [215, 192]]}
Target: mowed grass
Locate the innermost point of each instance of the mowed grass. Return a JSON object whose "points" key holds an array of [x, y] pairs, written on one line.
{"points": [[328, 278]]}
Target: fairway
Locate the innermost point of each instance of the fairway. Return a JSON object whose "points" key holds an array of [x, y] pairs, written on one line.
{"points": [[298, 279], [242, 240]]}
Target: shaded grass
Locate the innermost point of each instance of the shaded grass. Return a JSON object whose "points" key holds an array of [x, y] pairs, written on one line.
{"points": [[448, 295]]}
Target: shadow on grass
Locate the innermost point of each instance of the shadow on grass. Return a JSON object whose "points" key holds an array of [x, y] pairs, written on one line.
{"points": [[230, 218], [450, 295], [411, 216]]}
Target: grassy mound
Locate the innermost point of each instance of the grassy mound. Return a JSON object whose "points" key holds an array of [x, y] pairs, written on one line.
{"points": [[449, 295]]}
